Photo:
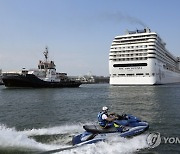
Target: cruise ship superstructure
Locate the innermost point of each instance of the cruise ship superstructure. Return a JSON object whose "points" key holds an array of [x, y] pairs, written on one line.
{"points": [[140, 58]]}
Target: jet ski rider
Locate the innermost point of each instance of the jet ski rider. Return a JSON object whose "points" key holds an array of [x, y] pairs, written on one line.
{"points": [[106, 120]]}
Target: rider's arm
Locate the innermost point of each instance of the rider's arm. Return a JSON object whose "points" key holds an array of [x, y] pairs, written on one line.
{"points": [[108, 118], [111, 118], [113, 114]]}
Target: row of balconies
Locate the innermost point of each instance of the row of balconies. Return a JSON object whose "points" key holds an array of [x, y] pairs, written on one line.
{"points": [[132, 48], [128, 59], [130, 42], [133, 75], [129, 55], [135, 37]]}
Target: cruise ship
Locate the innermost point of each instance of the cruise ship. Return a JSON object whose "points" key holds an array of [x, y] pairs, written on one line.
{"points": [[140, 57]]}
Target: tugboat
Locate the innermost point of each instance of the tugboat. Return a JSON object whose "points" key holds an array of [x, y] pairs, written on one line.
{"points": [[43, 77]]}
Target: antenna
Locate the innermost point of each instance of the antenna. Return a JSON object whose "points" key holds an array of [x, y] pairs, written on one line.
{"points": [[46, 54]]}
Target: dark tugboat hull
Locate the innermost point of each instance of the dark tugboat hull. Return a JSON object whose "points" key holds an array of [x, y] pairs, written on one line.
{"points": [[30, 80]]}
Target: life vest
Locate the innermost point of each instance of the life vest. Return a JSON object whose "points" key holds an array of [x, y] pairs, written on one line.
{"points": [[102, 122]]}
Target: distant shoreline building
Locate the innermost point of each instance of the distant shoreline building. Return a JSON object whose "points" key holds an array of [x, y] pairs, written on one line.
{"points": [[91, 79]]}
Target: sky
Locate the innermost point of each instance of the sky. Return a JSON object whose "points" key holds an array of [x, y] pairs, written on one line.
{"points": [[79, 33]]}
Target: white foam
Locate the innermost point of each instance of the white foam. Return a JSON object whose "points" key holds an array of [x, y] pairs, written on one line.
{"points": [[10, 137], [55, 130], [113, 145]]}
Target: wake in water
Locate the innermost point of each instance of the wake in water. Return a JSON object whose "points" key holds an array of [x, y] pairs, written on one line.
{"points": [[112, 146], [46, 139]]}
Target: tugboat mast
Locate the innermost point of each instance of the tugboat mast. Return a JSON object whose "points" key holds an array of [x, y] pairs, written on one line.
{"points": [[46, 54]]}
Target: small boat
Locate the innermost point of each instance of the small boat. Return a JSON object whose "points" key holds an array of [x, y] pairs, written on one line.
{"points": [[43, 77], [126, 126]]}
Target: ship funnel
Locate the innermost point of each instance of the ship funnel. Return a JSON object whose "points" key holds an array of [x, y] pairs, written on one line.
{"points": [[147, 30]]}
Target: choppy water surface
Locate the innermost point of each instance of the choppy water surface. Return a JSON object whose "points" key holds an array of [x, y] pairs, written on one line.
{"points": [[38, 120]]}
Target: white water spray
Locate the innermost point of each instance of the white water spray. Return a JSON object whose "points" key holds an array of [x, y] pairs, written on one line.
{"points": [[11, 138]]}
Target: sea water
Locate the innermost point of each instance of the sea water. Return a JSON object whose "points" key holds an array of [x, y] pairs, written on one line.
{"points": [[39, 120]]}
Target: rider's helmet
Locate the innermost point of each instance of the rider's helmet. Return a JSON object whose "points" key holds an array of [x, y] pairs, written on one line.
{"points": [[105, 108]]}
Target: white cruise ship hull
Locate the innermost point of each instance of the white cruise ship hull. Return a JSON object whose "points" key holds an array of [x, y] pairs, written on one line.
{"points": [[152, 74], [132, 81], [144, 80]]}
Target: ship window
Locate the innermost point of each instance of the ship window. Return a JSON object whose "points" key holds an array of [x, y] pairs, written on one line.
{"points": [[121, 74], [139, 73], [42, 66], [130, 74], [151, 57], [130, 65]]}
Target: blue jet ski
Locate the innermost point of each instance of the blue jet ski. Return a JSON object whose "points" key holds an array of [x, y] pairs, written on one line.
{"points": [[125, 126]]}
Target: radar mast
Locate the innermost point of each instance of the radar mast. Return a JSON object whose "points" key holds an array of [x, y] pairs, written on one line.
{"points": [[46, 54]]}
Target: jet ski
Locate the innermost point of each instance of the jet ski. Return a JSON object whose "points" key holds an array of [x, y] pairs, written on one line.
{"points": [[126, 126]]}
